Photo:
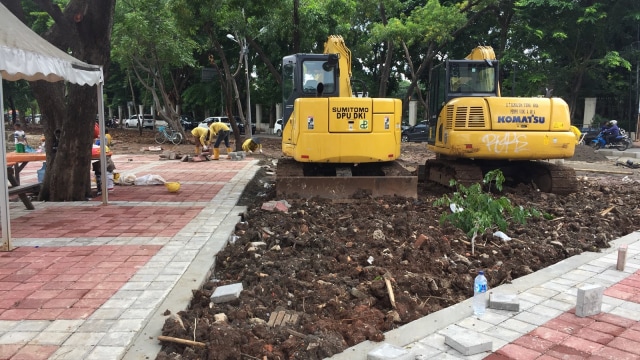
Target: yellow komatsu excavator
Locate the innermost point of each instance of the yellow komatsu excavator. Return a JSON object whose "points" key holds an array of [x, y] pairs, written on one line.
{"points": [[477, 130], [337, 144]]}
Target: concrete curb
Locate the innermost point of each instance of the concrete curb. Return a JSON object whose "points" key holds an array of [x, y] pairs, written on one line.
{"points": [[145, 345]]}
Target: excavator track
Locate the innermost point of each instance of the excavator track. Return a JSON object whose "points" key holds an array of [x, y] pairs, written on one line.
{"points": [[554, 178], [545, 176], [442, 172], [307, 180]]}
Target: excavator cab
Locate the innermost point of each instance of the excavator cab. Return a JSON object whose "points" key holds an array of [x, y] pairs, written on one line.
{"points": [[308, 75], [472, 78]]}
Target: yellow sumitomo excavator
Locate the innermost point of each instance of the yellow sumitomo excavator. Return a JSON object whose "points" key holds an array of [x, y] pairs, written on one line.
{"points": [[337, 145], [477, 130]]}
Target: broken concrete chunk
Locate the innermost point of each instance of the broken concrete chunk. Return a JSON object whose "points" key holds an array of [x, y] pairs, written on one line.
{"points": [[226, 293], [222, 317], [281, 205]]}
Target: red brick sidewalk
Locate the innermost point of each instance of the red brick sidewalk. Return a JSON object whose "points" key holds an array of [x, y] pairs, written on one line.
{"points": [[603, 336]]}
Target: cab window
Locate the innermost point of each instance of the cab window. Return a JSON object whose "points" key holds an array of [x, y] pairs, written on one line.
{"points": [[313, 74]]}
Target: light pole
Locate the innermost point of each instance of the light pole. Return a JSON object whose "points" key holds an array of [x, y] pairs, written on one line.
{"points": [[245, 51], [513, 87]]}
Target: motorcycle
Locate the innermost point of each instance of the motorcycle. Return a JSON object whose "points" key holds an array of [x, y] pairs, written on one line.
{"points": [[621, 142], [111, 123]]}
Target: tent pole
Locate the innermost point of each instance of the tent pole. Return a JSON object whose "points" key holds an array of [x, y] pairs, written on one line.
{"points": [[103, 153], [5, 221]]}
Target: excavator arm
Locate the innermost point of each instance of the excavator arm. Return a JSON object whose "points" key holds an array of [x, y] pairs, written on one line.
{"points": [[335, 45]]}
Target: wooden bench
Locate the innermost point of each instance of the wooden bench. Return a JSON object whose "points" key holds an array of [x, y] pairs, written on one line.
{"points": [[23, 190]]}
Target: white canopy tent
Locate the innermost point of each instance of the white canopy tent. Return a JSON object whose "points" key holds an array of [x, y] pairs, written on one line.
{"points": [[24, 55]]}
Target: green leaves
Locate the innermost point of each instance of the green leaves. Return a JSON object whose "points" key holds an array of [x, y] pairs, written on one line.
{"points": [[475, 211]]}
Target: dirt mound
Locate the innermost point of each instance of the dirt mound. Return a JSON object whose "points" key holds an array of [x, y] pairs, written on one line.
{"points": [[315, 277], [585, 153]]}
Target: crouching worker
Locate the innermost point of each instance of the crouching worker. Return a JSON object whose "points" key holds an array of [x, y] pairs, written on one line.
{"points": [[98, 172], [252, 145], [222, 131], [201, 139]]}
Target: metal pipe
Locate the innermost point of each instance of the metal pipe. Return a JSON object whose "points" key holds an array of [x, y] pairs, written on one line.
{"points": [[246, 68]]}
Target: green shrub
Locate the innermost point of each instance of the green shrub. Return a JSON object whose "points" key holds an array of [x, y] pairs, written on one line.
{"points": [[475, 211]]}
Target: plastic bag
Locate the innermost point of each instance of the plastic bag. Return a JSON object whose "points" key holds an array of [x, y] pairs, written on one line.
{"points": [[501, 235], [110, 182], [150, 180], [127, 179]]}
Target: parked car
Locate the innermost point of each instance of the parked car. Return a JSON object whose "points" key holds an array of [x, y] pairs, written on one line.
{"points": [[416, 133], [277, 127], [212, 119], [148, 121], [188, 122], [241, 126], [225, 120]]}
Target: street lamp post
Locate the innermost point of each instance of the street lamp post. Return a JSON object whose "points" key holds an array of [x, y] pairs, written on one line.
{"points": [[513, 87], [245, 51]]}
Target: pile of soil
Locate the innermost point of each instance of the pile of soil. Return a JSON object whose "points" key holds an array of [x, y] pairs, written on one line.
{"points": [[315, 276]]}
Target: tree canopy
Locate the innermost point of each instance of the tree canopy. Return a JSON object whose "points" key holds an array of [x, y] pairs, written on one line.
{"points": [[161, 48]]}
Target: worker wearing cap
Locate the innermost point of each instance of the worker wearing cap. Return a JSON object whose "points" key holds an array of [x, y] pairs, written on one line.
{"points": [[221, 130], [201, 138], [251, 145]]}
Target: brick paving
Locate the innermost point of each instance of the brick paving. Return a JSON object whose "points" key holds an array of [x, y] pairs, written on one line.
{"points": [[84, 278]]}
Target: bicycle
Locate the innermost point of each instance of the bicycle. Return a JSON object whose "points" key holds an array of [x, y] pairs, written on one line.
{"points": [[165, 134]]}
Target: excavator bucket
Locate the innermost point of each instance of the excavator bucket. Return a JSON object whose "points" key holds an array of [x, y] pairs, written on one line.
{"points": [[292, 182], [346, 187]]}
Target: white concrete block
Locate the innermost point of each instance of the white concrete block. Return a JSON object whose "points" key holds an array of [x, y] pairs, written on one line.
{"points": [[387, 351], [468, 342], [589, 300], [226, 293]]}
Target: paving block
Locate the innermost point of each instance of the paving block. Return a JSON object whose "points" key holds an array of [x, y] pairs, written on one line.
{"points": [[509, 302], [387, 351], [467, 342], [589, 300], [226, 293]]}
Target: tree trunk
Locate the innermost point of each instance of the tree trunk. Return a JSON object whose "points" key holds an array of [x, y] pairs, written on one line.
{"points": [[84, 29], [385, 71]]}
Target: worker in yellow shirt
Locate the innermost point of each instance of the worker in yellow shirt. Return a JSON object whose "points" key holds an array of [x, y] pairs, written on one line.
{"points": [[201, 138], [221, 130], [107, 137], [252, 145]]}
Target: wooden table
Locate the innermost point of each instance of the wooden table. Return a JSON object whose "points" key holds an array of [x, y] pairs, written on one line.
{"points": [[17, 161]]}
